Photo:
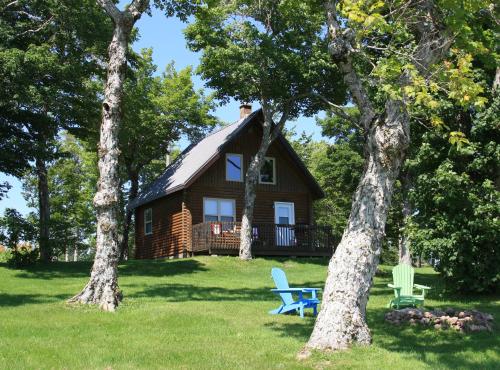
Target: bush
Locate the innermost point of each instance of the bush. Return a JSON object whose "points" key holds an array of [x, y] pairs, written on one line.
{"points": [[23, 257], [5, 255]]}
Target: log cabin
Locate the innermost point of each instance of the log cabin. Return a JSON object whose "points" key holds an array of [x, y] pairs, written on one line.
{"points": [[195, 206]]}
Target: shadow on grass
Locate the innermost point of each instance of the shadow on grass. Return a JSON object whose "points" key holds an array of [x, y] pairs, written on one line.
{"points": [[301, 331], [437, 348], [156, 268], [13, 300], [321, 261], [189, 292]]}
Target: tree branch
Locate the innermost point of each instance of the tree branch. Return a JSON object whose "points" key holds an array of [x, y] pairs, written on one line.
{"points": [[341, 48], [111, 9], [339, 110]]}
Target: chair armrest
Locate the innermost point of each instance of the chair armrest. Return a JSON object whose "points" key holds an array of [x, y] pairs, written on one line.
{"points": [[289, 290], [394, 287], [418, 286]]}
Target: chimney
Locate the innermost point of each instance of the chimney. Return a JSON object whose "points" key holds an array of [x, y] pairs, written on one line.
{"points": [[245, 110]]}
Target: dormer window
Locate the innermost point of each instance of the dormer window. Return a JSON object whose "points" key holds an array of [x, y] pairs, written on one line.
{"points": [[234, 167], [268, 171]]}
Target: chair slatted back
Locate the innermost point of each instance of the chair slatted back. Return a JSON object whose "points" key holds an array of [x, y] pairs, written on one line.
{"points": [[402, 276], [281, 282]]}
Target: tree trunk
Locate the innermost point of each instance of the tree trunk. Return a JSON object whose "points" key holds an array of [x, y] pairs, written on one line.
{"points": [[351, 270], [44, 210], [134, 189], [75, 254], [404, 240], [251, 180], [102, 289]]}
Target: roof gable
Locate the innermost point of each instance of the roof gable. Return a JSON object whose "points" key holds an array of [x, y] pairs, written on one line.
{"points": [[197, 158]]}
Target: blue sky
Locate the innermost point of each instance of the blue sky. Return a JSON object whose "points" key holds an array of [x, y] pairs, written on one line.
{"points": [[165, 36]]}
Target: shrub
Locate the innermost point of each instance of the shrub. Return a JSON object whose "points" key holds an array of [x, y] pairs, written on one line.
{"points": [[23, 257]]}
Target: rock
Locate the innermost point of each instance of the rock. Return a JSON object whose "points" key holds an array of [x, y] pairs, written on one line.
{"points": [[425, 321], [452, 320], [437, 326], [450, 311], [488, 316], [461, 314], [428, 314]]}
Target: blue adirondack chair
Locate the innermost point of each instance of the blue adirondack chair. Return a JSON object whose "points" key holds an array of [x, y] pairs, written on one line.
{"points": [[286, 294]]}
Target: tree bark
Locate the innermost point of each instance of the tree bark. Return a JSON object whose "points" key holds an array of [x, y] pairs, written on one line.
{"points": [[44, 210], [251, 180], [404, 240], [350, 272], [342, 319], [134, 189], [102, 288], [270, 131]]}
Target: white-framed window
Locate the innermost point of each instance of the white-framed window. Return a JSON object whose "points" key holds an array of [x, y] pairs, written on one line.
{"points": [[215, 209], [234, 167], [148, 221], [268, 171]]}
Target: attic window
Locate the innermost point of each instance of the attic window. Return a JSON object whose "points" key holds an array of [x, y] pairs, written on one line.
{"points": [[234, 167], [148, 221], [268, 171]]}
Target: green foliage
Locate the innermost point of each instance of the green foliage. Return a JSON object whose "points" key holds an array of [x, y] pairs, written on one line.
{"points": [[266, 51], [72, 180], [157, 111], [337, 168], [457, 196], [22, 258], [5, 255], [50, 57], [15, 229], [18, 233]]}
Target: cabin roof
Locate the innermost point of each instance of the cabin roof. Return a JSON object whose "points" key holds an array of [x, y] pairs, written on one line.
{"points": [[198, 157]]}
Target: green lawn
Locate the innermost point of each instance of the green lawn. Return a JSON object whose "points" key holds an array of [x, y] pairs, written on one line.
{"points": [[211, 312]]}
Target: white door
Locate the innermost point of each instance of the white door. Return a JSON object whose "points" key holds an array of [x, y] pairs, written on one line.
{"points": [[284, 215]]}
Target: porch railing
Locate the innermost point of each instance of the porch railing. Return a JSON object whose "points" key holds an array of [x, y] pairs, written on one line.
{"points": [[271, 239]]}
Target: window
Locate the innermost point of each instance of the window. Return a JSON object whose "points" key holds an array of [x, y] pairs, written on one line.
{"points": [[268, 171], [223, 210], [148, 221], [234, 167]]}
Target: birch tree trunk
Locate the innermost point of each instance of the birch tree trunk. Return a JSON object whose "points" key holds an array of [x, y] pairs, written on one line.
{"points": [[251, 180], [342, 319], [270, 131], [44, 210], [102, 288], [350, 271]]}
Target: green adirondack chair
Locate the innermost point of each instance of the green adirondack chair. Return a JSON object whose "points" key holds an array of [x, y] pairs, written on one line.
{"points": [[402, 276]]}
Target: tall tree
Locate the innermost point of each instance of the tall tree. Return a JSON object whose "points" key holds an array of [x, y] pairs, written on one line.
{"points": [[157, 111], [265, 51], [50, 52], [393, 56], [102, 288]]}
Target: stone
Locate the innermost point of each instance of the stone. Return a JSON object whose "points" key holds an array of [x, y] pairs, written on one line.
{"points": [[437, 326], [452, 320], [428, 314], [425, 321], [461, 314], [450, 311]]}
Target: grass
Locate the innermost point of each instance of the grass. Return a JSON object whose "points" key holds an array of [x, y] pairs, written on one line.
{"points": [[211, 312]]}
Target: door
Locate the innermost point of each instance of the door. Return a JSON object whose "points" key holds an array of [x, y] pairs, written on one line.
{"points": [[284, 217]]}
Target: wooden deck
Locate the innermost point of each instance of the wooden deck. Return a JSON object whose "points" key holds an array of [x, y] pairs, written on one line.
{"points": [[267, 239]]}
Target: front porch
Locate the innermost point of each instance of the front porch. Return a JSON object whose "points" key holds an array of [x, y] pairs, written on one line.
{"points": [[267, 239]]}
